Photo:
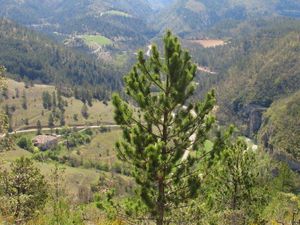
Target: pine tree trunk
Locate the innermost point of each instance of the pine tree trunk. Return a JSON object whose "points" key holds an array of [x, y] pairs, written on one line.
{"points": [[161, 185], [161, 204], [234, 205]]}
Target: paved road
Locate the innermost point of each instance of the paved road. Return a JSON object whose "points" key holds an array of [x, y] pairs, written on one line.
{"points": [[60, 128]]}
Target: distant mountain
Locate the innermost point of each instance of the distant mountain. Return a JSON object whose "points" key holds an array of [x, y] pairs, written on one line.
{"points": [[30, 56], [186, 16], [114, 19]]}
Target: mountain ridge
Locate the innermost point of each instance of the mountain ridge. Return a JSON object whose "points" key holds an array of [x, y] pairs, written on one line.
{"points": [[191, 16]]}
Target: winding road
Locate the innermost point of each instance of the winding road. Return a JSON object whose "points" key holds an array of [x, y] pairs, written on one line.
{"points": [[23, 131]]}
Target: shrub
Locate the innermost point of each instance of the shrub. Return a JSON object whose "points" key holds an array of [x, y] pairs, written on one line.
{"points": [[25, 143]]}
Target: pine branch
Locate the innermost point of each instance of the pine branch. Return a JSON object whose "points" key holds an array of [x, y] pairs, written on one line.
{"points": [[188, 175], [151, 78], [145, 128]]}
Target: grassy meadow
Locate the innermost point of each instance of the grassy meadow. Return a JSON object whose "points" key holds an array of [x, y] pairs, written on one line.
{"points": [[96, 39]]}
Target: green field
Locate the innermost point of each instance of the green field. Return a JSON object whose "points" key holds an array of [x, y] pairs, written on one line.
{"points": [[96, 39]]}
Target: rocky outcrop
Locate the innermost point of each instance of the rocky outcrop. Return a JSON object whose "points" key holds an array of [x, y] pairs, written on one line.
{"points": [[255, 121], [278, 155], [252, 115], [289, 160]]}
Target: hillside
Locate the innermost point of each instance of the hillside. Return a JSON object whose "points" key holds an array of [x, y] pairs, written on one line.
{"points": [[257, 75], [30, 56], [196, 16], [268, 71], [125, 20], [79, 172], [280, 129], [22, 118]]}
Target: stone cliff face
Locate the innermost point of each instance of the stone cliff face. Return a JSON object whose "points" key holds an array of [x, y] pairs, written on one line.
{"points": [[252, 115], [255, 121], [264, 138], [289, 160]]}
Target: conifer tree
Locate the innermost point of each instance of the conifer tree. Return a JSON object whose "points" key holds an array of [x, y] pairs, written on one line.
{"points": [[9, 116], [62, 119], [39, 127], [85, 111], [167, 127], [23, 189], [236, 184], [51, 121], [5, 121], [2, 78], [47, 100], [54, 99], [17, 92], [24, 100]]}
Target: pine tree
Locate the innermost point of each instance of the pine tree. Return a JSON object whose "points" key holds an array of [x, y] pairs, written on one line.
{"points": [[62, 119], [237, 174], [54, 99], [39, 127], [9, 117], [5, 121], [24, 100], [167, 127], [51, 121], [84, 111], [61, 103], [47, 100], [24, 190], [17, 92], [2, 78]]}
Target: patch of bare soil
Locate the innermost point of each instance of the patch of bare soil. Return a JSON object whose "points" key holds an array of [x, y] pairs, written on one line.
{"points": [[209, 43]]}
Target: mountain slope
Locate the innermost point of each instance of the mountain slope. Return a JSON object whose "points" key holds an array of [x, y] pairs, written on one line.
{"points": [[186, 16], [27, 55], [113, 19], [258, 82], [270, 71], [280, 130]]}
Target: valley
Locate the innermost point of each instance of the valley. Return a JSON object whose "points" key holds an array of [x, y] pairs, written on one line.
{"points": [[203, 131]]}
